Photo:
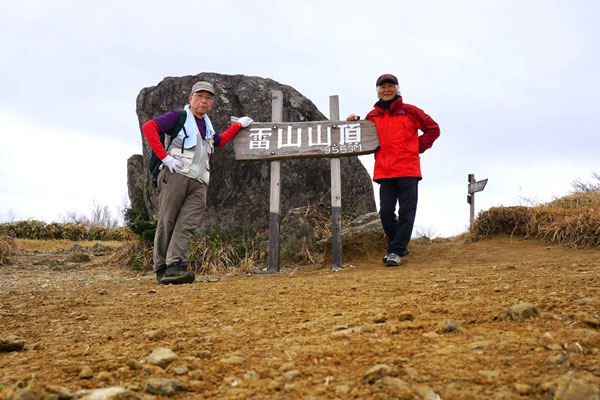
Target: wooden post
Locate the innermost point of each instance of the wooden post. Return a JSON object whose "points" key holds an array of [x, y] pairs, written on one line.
{"points": [[336, 196], [275, 204], [474, 186], [471, 201]]}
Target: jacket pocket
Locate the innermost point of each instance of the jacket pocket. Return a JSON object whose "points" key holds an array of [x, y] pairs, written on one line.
{"points": [[162, 177], [186, 157]]}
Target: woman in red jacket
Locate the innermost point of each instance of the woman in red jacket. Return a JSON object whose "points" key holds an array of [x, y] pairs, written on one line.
{"points": [[397, 162]]}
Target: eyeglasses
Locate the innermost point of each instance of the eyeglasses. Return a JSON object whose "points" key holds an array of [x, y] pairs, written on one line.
{"points": [[204, 97]]}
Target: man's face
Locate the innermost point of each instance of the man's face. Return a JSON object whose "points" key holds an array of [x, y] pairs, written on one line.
{"points": [[201, 103], [386, 91]]}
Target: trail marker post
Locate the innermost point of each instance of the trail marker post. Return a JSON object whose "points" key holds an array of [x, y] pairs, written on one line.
{"points": [[474, 186], [336, 196], [279, 140]]}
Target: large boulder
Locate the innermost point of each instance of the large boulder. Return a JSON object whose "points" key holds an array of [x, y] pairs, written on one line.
{"points": [[238, 194], [135, 181]]}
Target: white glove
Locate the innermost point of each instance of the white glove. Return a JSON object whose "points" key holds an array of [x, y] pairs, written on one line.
{"points": [[245, 121], [171, 163]]}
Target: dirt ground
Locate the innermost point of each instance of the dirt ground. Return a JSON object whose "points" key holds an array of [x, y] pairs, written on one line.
{"points": [[430, 329]]}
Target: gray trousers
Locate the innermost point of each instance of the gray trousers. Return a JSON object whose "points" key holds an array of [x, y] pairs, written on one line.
{"points": [[181, 204]]}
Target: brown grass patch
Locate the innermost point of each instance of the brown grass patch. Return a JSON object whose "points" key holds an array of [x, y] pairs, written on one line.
{"points": [[8, 248], [572, 220]]}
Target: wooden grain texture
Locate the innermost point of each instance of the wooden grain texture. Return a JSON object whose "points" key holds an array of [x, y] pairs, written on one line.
{"points": [[315, 139]]}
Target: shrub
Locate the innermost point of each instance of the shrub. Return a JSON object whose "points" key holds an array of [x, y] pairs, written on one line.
{"points": [[572, 220], [140, 224], [7, 249]]}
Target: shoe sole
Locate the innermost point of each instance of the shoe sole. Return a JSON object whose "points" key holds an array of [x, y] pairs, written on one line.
{"points": [[393, 264], [177, 280]]}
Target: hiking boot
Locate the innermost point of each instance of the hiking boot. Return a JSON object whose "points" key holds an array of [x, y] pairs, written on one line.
{"points": [[175, 274], [403, 253], [393, 260]]}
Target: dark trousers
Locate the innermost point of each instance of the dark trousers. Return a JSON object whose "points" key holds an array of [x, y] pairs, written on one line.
{"points": [[403, 192]]}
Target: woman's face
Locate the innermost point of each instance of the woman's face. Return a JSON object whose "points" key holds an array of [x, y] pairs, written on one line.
{"points": [[387, 91]]}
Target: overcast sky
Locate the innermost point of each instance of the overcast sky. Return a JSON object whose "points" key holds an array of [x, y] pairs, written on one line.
{"points": [[514, 86]]}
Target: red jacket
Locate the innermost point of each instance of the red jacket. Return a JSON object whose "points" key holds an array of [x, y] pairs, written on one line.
{"points": [[399, 140]]}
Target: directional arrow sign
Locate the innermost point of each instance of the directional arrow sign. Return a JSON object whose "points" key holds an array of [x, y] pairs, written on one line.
{"points": [[477, 186]]}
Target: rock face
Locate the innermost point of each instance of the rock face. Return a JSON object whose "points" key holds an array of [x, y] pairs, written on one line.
{"points": [[135, 181], [238, 194]]}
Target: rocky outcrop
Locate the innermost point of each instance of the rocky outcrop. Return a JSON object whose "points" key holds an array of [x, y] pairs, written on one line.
{"points": [[135, 181], [363, 235], [238, 195]]}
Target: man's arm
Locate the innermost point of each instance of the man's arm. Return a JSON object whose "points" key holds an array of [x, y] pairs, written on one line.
{"points": [[222, 138], [151, 133]]}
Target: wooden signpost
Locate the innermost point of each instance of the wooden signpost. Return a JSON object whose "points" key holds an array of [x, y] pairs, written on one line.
{"points": [[279, 140], [474, 186]]}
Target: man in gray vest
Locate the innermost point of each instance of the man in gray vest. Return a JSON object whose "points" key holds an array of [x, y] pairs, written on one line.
{"points": [[183, 180]]}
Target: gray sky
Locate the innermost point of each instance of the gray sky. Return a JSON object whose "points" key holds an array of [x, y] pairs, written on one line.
{"points": [[514, 85]]}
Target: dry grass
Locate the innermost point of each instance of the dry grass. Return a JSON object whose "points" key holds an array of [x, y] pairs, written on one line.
{"points": [[216, 254], [136, 254], [8, 248], [572, 220], [32, 229]]}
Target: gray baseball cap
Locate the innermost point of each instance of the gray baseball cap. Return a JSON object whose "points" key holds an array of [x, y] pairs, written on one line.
{"points": [[202, 85]]}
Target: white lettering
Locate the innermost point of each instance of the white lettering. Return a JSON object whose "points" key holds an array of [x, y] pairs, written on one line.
{"points": [[349, 133], [319, 141], [260, 139], [289, 142]]}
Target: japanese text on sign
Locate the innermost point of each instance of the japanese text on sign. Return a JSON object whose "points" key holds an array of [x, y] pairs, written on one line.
{"points": [[349, 138]]}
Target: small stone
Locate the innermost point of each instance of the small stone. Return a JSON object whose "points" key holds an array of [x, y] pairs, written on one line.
{"points": [[450, 326], [393, 382], [519, 312], [347, 332], [231, 381], [233, 360], [275, 385], [380, 318], [251, 376], [110, 393], [342, 390], [161, 357], [572, 388], [587, 337], [522, 388], [377, 372], [291, 374], [11, 343], [180, 370], [426, 393], [156, 334], [86, 372], [162, 387], [79, 258], [559, 359], [61, 392], [405, 316], [288, 387], [554, 347], [134, 365]]}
